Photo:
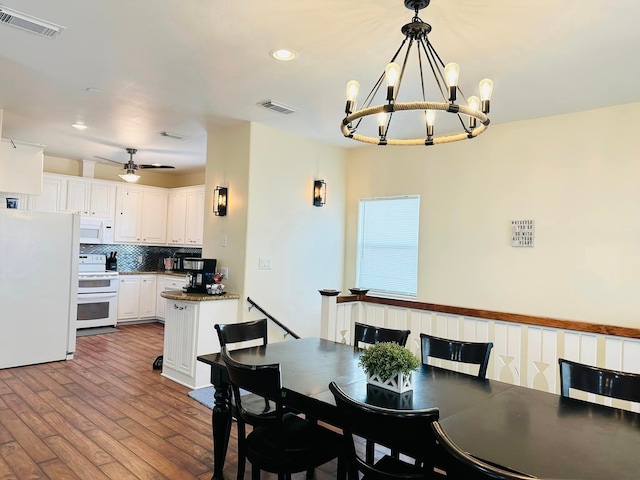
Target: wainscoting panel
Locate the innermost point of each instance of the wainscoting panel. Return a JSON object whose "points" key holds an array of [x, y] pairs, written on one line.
{"points": [[523, 354]]}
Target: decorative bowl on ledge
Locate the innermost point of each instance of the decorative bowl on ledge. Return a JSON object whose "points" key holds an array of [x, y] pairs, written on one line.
{"points": [[359, 291], [329, 293]]}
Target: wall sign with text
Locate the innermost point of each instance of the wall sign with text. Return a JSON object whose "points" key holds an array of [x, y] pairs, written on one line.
{"points": [[522, 233]]}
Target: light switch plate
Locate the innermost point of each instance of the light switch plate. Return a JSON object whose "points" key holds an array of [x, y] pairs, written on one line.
{"points": [[264, 263]]}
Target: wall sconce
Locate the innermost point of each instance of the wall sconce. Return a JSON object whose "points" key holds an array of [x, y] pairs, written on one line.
{"points": [[319, 193], [220, 196]]}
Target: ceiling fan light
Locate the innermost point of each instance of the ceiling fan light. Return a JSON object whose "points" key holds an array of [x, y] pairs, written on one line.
{"points": [[129, 177]]}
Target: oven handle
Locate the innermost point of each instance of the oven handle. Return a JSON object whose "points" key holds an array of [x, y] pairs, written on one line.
{"points": [[96, 295], [99, 276]]}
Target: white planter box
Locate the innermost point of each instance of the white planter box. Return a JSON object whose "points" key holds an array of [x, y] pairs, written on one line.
{"points": [[399, 383]]}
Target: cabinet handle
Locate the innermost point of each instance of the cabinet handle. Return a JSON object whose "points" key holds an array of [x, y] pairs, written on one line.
{"points": [[177, 307]]}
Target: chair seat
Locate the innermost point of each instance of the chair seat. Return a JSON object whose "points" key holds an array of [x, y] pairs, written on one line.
{"points": [[387, 465], [293, 446]]}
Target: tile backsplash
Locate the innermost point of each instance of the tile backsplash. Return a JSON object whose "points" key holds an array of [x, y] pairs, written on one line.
{"points": [[128, 255]]}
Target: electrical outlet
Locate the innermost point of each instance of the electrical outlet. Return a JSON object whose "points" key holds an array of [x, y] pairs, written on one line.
{"points": [[225, 272], [224, 240], [139, 259]]}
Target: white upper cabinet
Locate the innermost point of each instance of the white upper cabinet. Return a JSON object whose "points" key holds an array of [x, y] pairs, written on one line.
{"points": [[154, 216], [53, 197], [194, 228], [128, 215], [141, 215], [185, 224], [91, 198], [176, 218]]}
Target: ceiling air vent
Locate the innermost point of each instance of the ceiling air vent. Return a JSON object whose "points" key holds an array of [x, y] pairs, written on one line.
{"points": [[277, 107], [29, 23]]}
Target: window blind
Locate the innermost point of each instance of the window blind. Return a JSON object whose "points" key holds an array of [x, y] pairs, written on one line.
{"points": [[387, 257]]}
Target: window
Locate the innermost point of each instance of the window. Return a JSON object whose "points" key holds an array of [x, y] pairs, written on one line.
{"points": [[387, 259]]}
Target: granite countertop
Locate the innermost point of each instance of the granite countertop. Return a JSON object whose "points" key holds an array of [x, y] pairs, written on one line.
{"points": [[197, 297], [156, 272]]}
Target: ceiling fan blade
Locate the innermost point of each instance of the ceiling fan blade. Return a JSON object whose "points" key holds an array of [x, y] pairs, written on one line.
{"points": [[108, 160], [156, 166]]}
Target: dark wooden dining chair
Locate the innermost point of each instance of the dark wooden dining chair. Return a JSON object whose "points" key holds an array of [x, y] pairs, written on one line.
{"points": [[280, 442], [460, 465], [476, 353], [601, 381], [407, 431], [364, 335], [230, 333]]}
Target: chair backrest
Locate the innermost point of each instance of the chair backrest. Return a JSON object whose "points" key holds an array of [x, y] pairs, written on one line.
{"points": [[364, 335], [460, 465], [405, 431], [476, 353], [262, 380], [229, 333], [601, 381]]}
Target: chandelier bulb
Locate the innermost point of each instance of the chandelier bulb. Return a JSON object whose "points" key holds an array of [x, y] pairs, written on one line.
{"points": [[382, 124], [451, 74], [430, 116], [392, 74], [486, 89], [353, 87], [474, 104]]}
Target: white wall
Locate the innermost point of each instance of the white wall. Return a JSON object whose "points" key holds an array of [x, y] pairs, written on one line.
{"points": [[304, 243], [576, 175], [228, 166], [270, 176]]}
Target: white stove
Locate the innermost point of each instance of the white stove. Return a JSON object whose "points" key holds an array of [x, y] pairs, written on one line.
{"points": [[97, 292]]}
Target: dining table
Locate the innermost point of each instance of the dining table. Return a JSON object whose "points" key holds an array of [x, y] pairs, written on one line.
{"points": [[523, 429]]}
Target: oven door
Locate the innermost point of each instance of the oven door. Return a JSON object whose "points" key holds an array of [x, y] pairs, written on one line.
{"points": [[98, 282], [97, 310]]}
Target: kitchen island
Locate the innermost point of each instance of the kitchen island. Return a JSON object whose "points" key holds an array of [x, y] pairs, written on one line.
{"points": [[189, 332]]}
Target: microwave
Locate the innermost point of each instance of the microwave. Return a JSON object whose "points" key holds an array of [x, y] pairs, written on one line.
{"points": [[96, 230]]}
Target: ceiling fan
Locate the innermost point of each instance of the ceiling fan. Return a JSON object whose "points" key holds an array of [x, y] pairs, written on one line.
{"points": [[131, 167]]}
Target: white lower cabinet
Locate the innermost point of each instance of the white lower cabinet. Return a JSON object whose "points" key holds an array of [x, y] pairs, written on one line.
{"points": [[180, 330], [167, 282], [189, 332], [136, 298]]}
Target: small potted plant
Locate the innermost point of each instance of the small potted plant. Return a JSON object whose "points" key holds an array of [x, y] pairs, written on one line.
{"points": [[389, 365]]}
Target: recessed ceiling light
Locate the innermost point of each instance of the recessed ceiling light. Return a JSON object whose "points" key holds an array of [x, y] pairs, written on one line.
{"points": [[79, 126], [283, 54]]}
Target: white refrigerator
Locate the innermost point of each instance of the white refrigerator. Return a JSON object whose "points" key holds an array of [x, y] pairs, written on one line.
{"points": [[38, 286]]}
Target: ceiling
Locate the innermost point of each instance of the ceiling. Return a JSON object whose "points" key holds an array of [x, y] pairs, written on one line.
{"points": [[186, 66]]}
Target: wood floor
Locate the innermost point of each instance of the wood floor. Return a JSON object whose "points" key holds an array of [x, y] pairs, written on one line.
{"points": [[108, 415]]}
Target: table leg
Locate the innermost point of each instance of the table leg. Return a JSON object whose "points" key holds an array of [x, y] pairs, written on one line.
{"points": [[221, 425]]}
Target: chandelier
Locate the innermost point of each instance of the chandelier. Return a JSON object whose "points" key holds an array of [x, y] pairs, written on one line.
{"points": [[469, 114]]}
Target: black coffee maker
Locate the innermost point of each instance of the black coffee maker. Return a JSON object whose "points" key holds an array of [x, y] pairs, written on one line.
{"points": [[178, 260], [200, 272]]}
